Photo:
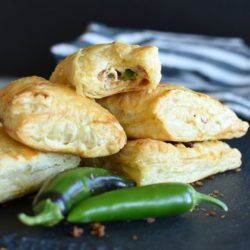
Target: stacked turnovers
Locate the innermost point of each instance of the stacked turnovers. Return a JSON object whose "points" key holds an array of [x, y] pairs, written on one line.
{"points": [[173, 132], [190, 123]]}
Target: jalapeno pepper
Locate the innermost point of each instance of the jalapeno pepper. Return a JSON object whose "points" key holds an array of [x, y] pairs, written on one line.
{"points": [[58, 195], [128, 74], [140, 202]]}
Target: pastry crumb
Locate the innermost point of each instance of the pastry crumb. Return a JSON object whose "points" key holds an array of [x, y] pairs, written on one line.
{"points": [[237, 170], [211, 213], [97, 229], [77, 232], [134, 237], [198, 184], [150, 220], [216, 193]]}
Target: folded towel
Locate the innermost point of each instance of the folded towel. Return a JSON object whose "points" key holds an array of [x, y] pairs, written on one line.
{"points": [[214, 65]]}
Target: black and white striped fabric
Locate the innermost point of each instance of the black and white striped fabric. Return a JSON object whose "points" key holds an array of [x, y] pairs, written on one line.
{"points": [[214, 65]]}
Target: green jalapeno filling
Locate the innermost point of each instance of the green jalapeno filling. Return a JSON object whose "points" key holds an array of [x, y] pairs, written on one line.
{"points": [[113, 75], [128, 75]]}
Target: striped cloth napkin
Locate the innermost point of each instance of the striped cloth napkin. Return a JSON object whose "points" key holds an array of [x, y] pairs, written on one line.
{"points": [[217, 66]]}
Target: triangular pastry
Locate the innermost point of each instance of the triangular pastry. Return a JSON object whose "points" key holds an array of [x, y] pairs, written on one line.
{"points": [[53, 118], [106, 69], [148, 161], [173, 113]]}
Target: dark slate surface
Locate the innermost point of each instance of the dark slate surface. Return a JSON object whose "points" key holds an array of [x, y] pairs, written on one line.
{"points": [[190, 231]]}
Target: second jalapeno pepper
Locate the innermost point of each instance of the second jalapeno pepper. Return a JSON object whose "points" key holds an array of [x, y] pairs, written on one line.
{"points": [[140, 202]]}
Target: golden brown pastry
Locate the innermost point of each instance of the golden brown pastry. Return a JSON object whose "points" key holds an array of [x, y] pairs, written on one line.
{"points": [[23, 170], [106, 69], [148, 161], [53, 118], [174, 113]]}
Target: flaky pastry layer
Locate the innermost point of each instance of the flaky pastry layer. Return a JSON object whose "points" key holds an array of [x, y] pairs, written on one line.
{"points": [[23, 170], [148, 161], [174, 113], [53, 118]]}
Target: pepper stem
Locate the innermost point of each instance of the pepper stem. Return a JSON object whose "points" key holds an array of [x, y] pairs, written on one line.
{"points": [[49, 215], [199, 198]]}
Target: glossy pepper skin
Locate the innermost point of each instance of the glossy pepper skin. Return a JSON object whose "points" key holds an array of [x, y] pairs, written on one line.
{"points": [[58, 195], [140, 202]]}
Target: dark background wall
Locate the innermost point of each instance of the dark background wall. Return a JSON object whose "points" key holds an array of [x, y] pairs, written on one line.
{"points": [[29, 27]]}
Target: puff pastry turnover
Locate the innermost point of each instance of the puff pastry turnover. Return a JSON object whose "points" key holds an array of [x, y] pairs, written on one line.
{"points": [[53, 118], [174, 113], [106, 69], [23, 170], [148, 161]]}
